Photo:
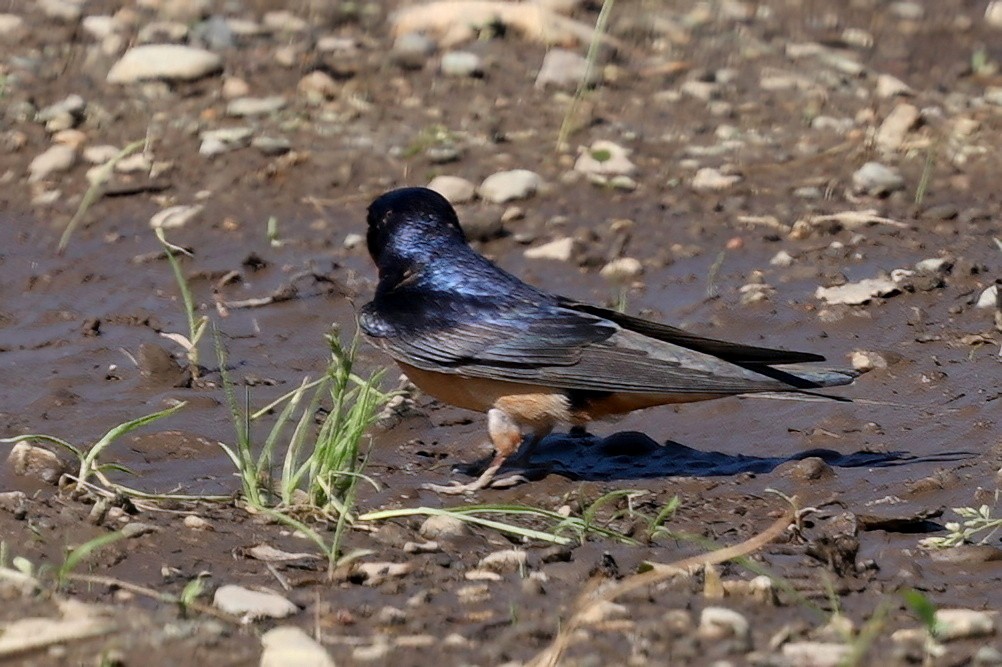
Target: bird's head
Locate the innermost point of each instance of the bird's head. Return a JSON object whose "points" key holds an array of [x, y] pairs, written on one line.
{"points": [[410, 223]]}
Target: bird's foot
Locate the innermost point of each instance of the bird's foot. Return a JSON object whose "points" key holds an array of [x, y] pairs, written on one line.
{"points": [[485, 481]]}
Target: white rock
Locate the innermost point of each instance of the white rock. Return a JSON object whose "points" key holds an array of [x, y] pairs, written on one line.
{"points": [[605, 158], [865, 360], [709, 179], [11, 27], [242, 601], [27, 460], [993, 14], [62, 10], [100, 26], [457, 190], [100, 154], [701, 90], [781, 258], [175, 216], [284, 21], [989, 298], [892, 132], [140, 162], [461, 63], [318, 85], [876, 179], [857, 293], [197, 523], [603, 611], [816, 654], [963, 624], [561, 250], [622, 269], [505, 186], [440, 526], [562, 68], [162, 31], [890, 86], [285, 646], [717, 623], [58, 158], [255, 106], [172, 62], [507, 560], [353, 240]]}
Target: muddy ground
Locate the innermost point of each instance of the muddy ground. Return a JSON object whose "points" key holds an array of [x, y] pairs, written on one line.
{"points": [[726, 85]]}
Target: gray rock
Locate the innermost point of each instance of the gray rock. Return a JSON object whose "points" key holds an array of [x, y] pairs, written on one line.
{"points": [[224, 139], [284, 646], [57, 159], [62, 115], [563, 69], [892, 132], [272, 145], [954, 624], [457, 190], [27, 460], [412, 50], [505, 186], [709, 179], [877, 179], [561, 250], [171, 62], [214, 33], [255, 106], [462, 63], [242, 601]]}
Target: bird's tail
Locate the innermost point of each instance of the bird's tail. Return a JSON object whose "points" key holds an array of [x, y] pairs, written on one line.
{"points": [[805, 377]]}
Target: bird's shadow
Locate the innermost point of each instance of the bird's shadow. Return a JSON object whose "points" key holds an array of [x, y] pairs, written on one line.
{"points": [[634, 455]]}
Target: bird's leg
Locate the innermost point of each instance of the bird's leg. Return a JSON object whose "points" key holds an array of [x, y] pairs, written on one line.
{"points": [[506, 437]]}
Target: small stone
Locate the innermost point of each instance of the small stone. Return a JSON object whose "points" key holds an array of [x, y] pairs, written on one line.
{"points": [[857, 293], [174, 217], [197, 523], [242, 601], [57, 159], [810, 469], [562, 68], [285, 646], [255, 106], [505, 186], [987, 656], [993, 14], [603, 611], [284, 21], [889, 86], [171, 62], [508, 560], [816, 654], [462, 63], [234, 87], [27, 460], [709, 179], [561, 250], [412, 50], [162, 31], [717, 623], [11, 28], [953, 624], [318, 86], [442, 526], [989, 298], [214, 33], [271, 146], [140, 162], [13, 501], [866, 360], [892, 132], [482, 225], [781, 258], [622, 270], [138, 529], [353, 240], [701, 90], [62, 10], [457, 190], [62, 115], [605, 158], [877, 179]]}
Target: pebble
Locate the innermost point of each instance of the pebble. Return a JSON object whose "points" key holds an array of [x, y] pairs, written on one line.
{"points": [[353, 240], [482, 225], [866, 360], [57, 159], [412, 50], [963, 624], [989, 298], [603, 611], [716, 623], [605, 158], [162, 31], [11, 28], [285, 646], [62, 115], [462, 63], [62, 10], [816, 654], [242, 601], [13, 501], [215, 33], [442, 526], [857, 293], [27, 460], [138, 529], [709, 179], [317, 86], [171, 62], [890, 86], [562, 69], [892, 132], [255, 106], [877, 179], [223, 140], [993, 14], [781, 258], [505, 186], [507, 560], [284, 21], [197, 523], [561, 250], [454, 188], [174, 217], [622, 270]]}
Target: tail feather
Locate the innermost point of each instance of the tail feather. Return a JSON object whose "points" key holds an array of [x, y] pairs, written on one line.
{"points": [[803, 377]]}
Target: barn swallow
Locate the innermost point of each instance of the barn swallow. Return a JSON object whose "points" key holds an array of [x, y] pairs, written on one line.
{"points": [[470, 334]]}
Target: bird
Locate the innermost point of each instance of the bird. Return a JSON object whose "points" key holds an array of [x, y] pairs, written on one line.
{"points": [[470, 334]]}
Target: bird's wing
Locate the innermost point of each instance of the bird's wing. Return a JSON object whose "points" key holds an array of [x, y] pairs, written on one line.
{"points": [[734, 352], [564, 348]]}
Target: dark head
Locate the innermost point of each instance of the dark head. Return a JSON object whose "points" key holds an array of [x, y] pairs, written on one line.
{"points": [[405, 222]]}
